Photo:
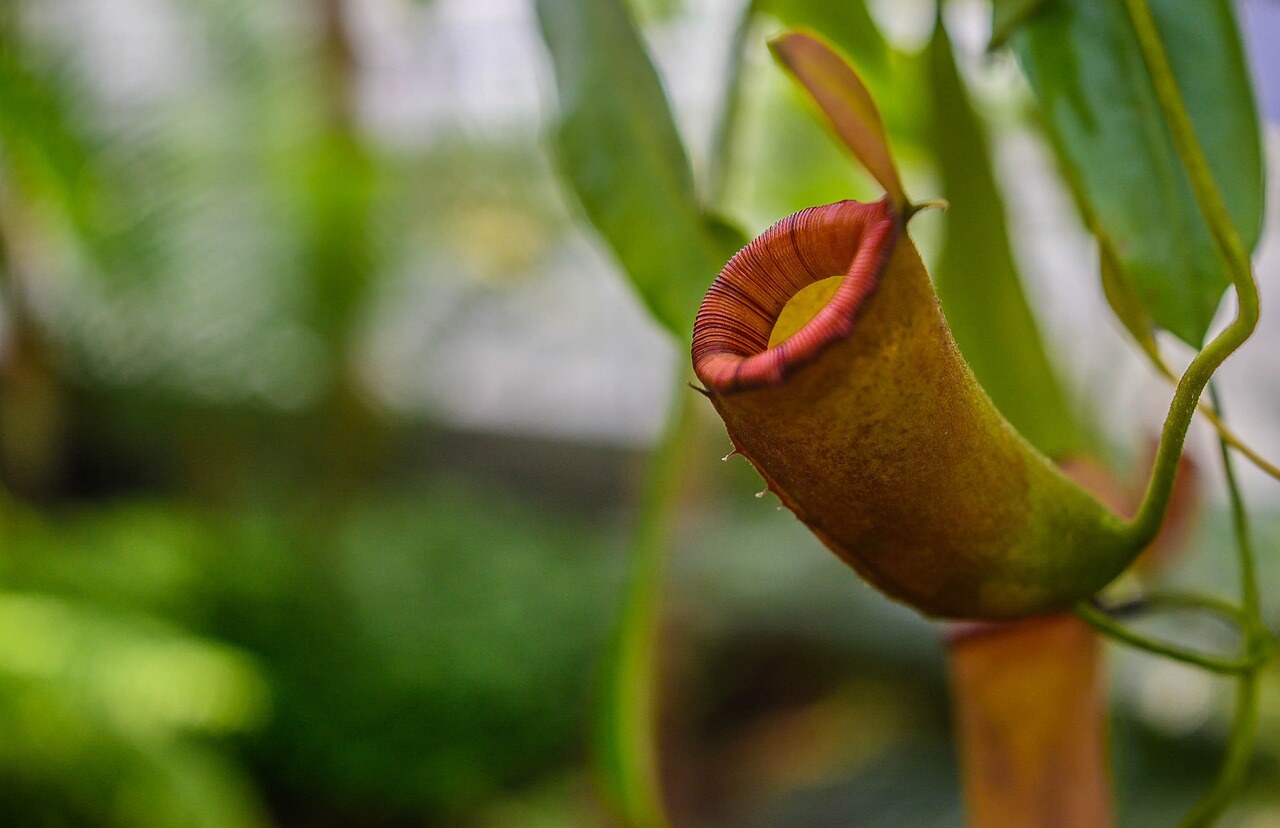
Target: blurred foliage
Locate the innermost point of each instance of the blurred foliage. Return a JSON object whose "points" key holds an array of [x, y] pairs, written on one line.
{"points": [[194, 276], [416, 689], [111, 714], [247, 577], [1007, 15]]}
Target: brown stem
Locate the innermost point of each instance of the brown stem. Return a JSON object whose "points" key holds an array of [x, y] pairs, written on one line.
{"points": [[32, 395], [1030, 706]]}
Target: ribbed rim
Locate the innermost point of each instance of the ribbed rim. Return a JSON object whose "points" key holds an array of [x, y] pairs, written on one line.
{"points": [[731, 333]]}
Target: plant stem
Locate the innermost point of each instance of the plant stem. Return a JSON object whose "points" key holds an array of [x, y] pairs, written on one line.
{"points": [[1249, 594], [1244, 726], [1184, 600], [1104, 623], [1219, 424], [1029, 702], [1197, 375], [1234, 440], [1227, 241], [1239, 751], [626, 742]]}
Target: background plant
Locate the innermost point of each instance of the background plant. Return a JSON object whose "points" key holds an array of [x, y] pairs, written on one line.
{"points": [[324, 417]]}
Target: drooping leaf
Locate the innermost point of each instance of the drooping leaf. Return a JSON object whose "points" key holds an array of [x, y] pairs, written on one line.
{"points": [[977, 278], [1101, 113], [619, 151], [845, 102], [847, 24]]}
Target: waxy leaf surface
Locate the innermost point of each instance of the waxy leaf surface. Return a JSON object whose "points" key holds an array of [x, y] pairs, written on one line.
{"points": [[1084, 65]]}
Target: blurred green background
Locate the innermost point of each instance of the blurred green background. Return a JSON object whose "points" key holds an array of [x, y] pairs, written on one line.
{"points": [[323, 420]]}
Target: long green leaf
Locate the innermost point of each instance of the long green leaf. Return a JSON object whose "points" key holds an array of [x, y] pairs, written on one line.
{"points": [[1100, 109], [619, 151], [1007, 15], [977, 279]]}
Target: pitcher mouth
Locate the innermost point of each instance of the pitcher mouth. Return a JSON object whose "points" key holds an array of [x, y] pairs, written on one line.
{"points": [[731, 350]]}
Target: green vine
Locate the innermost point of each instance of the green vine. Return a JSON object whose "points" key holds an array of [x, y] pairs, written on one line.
{"points": [[1195, 601], [1244, 726], [1102, 621], [1146, 522]]}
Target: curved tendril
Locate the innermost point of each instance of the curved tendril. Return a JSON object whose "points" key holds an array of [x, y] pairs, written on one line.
{"points": [[1244, 725], [1178, 600], [1100, 620], [1227, 241], [1215, 419]]}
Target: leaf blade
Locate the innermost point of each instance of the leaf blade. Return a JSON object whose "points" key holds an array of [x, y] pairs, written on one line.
{"points": [[618, 149], [846, 104], [1007, 15], [1104, 122], [977, 278]]}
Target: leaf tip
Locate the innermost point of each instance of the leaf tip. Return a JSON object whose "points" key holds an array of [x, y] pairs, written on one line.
{"points": [[847, 105]]}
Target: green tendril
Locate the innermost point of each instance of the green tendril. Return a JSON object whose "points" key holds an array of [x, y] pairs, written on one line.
{"points": [[1102, 621], [1244, 725], [1150, 515]]}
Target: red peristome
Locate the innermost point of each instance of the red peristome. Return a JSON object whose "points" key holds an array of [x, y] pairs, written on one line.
{"points": [[731, 333]]}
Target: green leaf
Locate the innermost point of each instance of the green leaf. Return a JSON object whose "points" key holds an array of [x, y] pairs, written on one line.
{"points": [[1124, 302], [847, 24], [619, 151], [1007, 15], [977, 279], [1101, 113], [845, 102]]}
